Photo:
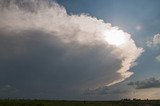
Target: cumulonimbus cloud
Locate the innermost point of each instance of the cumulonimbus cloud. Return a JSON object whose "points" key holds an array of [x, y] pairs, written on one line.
{"points": [[79, 53]]}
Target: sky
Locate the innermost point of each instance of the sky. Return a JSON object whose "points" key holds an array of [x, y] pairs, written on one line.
{"points": [[80, 49]]}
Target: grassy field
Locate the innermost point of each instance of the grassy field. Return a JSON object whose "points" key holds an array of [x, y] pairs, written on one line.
{"points": [[78, 103]]}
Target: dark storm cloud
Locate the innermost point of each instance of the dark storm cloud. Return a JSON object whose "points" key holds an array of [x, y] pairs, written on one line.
{"points": [[46, 53], [147, 83], [35, 61]]}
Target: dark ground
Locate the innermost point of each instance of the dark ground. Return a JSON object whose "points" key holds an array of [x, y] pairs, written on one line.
{"points": [[21, 102]]}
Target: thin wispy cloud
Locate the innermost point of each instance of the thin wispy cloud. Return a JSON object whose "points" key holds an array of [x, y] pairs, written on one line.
{"points": [[155, 41], [158, 58]]}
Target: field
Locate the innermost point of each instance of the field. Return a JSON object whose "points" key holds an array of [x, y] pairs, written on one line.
{"points": [[78, 103]]}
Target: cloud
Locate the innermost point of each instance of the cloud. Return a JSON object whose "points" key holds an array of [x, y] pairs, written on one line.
{"points": [[43, 49], [105, 90], [158, 58], [147, 83], [155, 41]]}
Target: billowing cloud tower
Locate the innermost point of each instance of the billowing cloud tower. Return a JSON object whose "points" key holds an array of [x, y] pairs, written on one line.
{"points": [[48, 52]]}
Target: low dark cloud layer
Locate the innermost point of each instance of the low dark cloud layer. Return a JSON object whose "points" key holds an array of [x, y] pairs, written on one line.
{"points": [[105, 91], [147, 83], [34, 61]]}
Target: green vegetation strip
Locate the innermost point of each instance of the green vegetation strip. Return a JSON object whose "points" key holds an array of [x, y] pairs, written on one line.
{"points": [[79, 103]]}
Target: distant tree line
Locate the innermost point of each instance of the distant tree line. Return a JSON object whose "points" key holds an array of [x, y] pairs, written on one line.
{"points": [[134, 99]]}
